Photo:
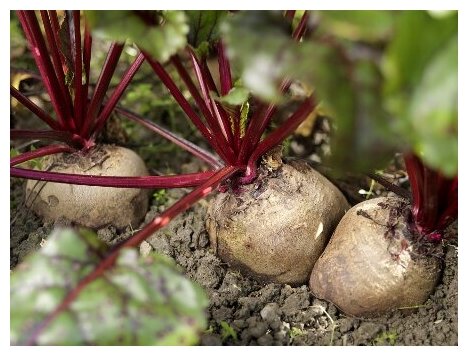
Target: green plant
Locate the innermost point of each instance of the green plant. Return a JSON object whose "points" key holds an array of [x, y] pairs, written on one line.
{"points": [[295, 332], [227, 331], [144, 301], [160, 196], [386, 338]]}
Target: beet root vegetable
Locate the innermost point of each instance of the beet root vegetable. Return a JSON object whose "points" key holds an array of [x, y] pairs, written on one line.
{"points": [[277, 227], [91, 206], [374, 263]]}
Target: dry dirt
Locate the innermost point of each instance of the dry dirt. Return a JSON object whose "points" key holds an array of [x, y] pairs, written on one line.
{"points": [[245, 312]]}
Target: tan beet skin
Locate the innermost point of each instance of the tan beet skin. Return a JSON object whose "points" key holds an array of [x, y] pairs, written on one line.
{"points": [[365, 273], [279, 225], [89, 206]]}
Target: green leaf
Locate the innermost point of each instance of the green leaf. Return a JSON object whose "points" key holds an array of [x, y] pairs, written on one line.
{"points": [[432, 114], [161, 33], [418, 37], [204, 26], [139, 301], [421, 70], [256, 41], [348, 93], [236, 96], [358, 25], [227, 331]]}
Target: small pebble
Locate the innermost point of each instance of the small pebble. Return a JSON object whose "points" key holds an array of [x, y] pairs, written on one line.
{"points": [[145, 249]]}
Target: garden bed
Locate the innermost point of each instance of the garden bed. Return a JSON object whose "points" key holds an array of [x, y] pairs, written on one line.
{"points": [[245, 312]]}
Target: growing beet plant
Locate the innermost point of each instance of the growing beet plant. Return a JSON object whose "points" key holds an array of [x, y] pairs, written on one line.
{"points": [[396, 243], [233, 131], [63, 57], [171, 310], [386, 253], [287, 204]]}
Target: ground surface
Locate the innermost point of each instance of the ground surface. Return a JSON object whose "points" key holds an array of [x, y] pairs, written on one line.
{"points": [[244, 312]]}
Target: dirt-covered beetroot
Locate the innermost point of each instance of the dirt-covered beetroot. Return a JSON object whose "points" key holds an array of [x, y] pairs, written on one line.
{"points": [[277, 227], [374, 263], [91, 206]]}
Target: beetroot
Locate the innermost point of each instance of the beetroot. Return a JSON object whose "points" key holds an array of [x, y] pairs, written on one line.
{"points": [[286, 216], [91, 206], [375, 262]]}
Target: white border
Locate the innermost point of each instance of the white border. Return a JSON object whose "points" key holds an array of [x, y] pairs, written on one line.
{"points": [[234, 5]]}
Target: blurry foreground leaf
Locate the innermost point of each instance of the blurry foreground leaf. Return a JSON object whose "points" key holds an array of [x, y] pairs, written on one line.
{"points": [[204, 26], [256, 43], [349, 93], [418, 37], [357, 25], [139, 301], [236, 96], [161, 33], [421, 69], [262, 45], [432, 115]]}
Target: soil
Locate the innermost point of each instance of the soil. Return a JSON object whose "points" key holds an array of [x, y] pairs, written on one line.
{"points": [[245, 312]]}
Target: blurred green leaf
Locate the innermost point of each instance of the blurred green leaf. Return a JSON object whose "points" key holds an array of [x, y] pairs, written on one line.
{"points": [[421, 70], [256, 42], [204, 26], [348, 89], [418, 37], [356, 25], [432, 115], [349, 92], [161, 33], [400, 92], [139, 301], [236, 96]]}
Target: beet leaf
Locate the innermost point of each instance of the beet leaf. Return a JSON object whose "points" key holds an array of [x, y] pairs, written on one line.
{"points": [[139, 301]]}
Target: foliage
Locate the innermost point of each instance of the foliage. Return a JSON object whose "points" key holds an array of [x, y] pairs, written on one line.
{"points": [[139, 301], [375, 73], [160, 196], [227, 331], [161, 33], [346, 88], [233, 131], [421, 87], [386, 338], [204, 27], [78, 121], [359, 25], [258, 43]]}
